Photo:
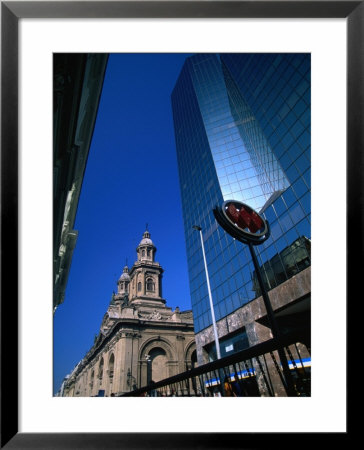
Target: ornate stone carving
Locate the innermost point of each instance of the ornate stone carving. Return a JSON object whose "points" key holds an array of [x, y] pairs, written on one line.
{"points": [[155, 315]]}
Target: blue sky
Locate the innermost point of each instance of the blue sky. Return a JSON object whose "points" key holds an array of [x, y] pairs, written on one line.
{"points": [[131, 179]]}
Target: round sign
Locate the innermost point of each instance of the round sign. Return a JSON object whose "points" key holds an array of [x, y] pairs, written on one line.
{"points": [[242, 222]]}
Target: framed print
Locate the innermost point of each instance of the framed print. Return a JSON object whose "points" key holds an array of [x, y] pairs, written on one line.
{"points": [[30, 33]]}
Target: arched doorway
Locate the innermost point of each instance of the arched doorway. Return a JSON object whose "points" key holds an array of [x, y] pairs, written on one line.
{"points": [[194, 359], [155, 357], [157, 367], [190, 356]]}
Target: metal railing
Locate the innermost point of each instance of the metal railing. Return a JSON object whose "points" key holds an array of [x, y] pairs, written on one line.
{"points": [[255, 371]]}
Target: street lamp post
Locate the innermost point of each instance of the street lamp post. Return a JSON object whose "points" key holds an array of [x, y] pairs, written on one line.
{"points": [[148, 359], [217, 344]]}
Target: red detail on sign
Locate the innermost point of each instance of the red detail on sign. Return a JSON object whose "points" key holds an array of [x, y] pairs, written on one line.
{"points": [[244, 218]]}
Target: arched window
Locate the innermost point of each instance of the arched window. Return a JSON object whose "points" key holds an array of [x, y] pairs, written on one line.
{"points": [[92, 380], [148, 252], [101, 370], [150, 284], [111, 366], [143, 252], [139, 286]]}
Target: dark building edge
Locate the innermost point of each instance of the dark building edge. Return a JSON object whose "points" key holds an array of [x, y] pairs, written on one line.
{"points": [[70, 81], [10, 13], [9, 224]]}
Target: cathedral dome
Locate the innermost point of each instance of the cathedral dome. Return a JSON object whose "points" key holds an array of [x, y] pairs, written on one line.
{"points": [[125, 275], [146, 239], [146, 249]]}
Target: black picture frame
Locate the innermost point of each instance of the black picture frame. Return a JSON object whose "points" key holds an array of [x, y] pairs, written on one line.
{"points": [[11, 12]]}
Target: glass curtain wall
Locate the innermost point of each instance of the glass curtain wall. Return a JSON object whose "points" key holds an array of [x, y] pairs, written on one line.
{"points": [[242, 129]]}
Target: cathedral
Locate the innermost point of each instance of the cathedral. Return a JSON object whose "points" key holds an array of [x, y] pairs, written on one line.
{"points": [[140, 340]]}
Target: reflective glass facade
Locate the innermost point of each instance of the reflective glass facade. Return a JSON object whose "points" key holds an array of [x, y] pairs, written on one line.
{"points": [[242, 128]]}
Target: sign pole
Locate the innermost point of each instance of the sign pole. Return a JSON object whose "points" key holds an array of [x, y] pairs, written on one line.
{"points": [[248, 227], [274, 326]]}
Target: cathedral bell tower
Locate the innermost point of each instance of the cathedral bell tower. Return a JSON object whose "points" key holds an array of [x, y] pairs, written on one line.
{"points": [[146, 275], [123, 282], [146, 249]]}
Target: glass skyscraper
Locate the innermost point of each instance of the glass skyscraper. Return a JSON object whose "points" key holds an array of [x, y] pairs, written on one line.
{"points": [[242, 130]]}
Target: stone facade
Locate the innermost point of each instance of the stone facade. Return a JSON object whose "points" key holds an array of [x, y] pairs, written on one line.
{"points": [[140, 340], [291, 302]]}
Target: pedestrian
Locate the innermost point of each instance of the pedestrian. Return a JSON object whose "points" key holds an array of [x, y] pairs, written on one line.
{"points": [[237, 388], [229, 392]]}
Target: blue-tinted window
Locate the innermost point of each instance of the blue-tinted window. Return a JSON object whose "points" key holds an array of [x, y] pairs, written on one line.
{"points": [[275, 230], [285, 222], [289, 197], [291, 235], [295, 151], [279, 207], [299, 187], [296, 212], [304, 228], [306, 118], [306, 202], [307, 177], [297, 128], [304, 140], [281, 244], [292, 173]]}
